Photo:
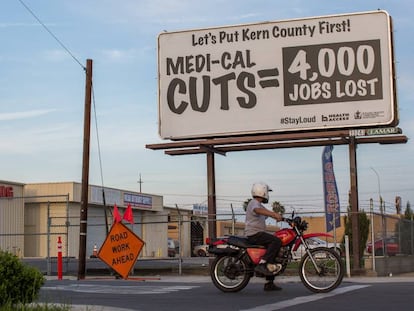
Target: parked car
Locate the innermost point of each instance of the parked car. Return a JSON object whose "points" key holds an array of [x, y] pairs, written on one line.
{"points": [[201, 250], [173, 247], [314, 242], [391, 246]]}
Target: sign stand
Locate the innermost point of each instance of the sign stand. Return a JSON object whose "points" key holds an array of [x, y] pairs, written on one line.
{"points": [[121, 249]]}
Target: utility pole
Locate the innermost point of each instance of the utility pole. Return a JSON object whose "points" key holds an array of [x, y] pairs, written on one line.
{"points": [[379, 187], [85, 172], [140, 183]]}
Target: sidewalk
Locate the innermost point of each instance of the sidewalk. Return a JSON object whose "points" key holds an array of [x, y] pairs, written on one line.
{"points": [[203, 278], [188, 265], [193, 269]]}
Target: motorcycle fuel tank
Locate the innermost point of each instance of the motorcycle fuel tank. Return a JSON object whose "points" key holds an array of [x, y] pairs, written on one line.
{"points": [[286, 235]]}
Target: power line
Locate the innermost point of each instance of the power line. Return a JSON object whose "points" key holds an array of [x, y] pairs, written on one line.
{"points": [[97, 137], [84, 68], [52, 34]]}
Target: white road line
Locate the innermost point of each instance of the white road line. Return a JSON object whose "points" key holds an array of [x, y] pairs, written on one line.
{"points": [[304, 299], [128, 290]]}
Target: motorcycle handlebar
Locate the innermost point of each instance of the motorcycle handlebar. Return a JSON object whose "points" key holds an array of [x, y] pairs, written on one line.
{"points": [[288, 220], [296, 222], [293, 221]]}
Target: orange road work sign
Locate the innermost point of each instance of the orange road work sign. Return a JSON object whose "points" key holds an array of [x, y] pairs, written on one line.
{"points": [[121, 249]]}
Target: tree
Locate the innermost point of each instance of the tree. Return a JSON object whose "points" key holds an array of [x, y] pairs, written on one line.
{"points": [[404, 228], [278, 207], [245, 203], [408, 211], [363, 231]]}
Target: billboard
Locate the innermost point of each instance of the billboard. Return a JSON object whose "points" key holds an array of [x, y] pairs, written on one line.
{"points": [[303, 74]]}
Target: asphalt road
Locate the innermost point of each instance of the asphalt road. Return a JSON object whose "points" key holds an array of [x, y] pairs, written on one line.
{"points": [[187, 293]]}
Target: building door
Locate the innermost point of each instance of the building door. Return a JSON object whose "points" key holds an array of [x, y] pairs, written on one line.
{"points": [[197, 235]]}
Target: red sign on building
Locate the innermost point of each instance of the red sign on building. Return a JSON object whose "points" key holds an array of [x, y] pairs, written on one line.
{"points": [[6, 192]]}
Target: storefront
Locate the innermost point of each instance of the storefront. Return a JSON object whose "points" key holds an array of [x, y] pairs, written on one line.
{"points": [[12, 217], [34, 216]]}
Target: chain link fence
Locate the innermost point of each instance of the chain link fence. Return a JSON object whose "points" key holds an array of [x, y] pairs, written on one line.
{"points": [[393, 235]]}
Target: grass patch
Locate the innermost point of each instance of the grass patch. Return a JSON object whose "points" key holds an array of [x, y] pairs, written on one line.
{"points": [[35, 307]]}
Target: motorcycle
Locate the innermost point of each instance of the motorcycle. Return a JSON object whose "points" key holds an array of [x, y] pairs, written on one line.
{"points": [[320, 269]]}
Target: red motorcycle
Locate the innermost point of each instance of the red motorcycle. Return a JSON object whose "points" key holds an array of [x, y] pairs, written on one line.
{"points": [[320, 269]]}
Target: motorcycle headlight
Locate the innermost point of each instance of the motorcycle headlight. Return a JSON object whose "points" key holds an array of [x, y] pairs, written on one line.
{"points": [[297, 220], [304, 225]]}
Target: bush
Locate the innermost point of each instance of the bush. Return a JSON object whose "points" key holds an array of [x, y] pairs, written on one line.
{"points": [[363, 225], [19, 283]]}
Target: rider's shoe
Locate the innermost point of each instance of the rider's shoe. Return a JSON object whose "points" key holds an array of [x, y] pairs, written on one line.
{"points": [[270, 286], [274, 268], [262, 269]]}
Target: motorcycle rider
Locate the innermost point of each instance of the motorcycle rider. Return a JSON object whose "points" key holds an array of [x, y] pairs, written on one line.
{"points": [[255, 230]]}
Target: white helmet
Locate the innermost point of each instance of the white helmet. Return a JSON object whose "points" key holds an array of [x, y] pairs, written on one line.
{"points": [[261, 190]]}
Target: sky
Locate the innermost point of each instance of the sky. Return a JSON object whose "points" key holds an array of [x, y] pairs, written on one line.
{"points": [[42, 93]]}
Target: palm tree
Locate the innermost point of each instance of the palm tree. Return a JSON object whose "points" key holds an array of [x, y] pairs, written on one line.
{"points": [[245, 203], [278, 207]]}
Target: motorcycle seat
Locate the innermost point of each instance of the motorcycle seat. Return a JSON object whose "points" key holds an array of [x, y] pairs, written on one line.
{"points": [[242, 241]]}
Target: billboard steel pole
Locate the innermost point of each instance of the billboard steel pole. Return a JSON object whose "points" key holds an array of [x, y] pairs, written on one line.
{"points": [[354, 202], [211, 187]]}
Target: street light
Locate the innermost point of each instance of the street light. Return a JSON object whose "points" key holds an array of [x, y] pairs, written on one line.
{"points": [[382, 213], [371, 207], [379, 187]]}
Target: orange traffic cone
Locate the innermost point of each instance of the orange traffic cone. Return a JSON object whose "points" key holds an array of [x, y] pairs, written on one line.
{"points": [[95, 252]]}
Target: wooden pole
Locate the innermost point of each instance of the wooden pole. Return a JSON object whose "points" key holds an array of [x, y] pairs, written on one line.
{"points": [[211, 187], [354, 203], [85, 172]]}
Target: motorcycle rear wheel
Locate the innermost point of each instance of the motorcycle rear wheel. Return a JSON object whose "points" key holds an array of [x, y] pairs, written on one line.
{"points": [[229, 274], [331, 270]]}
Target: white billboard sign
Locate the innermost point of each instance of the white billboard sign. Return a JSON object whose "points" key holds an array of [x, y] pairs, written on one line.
{"points": [[303, 74]]}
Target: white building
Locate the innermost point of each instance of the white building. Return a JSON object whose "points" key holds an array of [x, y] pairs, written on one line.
{"points": [[12, 217]]}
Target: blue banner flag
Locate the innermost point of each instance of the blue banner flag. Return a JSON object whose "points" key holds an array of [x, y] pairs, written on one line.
{"points": [[332, 208]]}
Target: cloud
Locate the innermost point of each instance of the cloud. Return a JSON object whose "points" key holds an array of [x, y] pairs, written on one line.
{"points": [[118, 55], [9, 116], [9, 25], [56, 55], [158, 14], [35, 139]]}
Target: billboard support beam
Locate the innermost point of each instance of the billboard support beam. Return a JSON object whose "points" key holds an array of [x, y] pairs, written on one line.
{"points": [[354, 202], [264, 142], [209, 149], [211, 191]]}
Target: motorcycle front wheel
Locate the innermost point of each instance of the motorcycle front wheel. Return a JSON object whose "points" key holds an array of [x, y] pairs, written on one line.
{"points": [[323, 271], [229, 274]]}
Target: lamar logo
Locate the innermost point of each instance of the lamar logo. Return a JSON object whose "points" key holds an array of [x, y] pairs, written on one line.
{"points": [[335, 117], [6, 192]]}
